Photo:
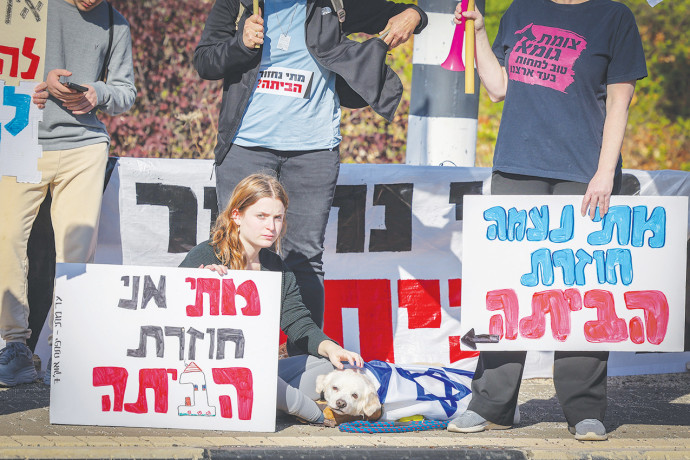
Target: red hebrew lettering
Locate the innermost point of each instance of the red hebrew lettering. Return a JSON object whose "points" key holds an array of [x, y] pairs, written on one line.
{"points": [[297, 87], [173, 373], [506, 300], [228, 303], [496, 325], [250, 293], [455, 292], [456, 353], [274, 85], [210, 286], [656, 313], [115, 377], [608, 327], [422, 298], [553, 302], [14, 65], [241, 378], [27, 51], [636, 330], [372, 299], [156, 379], [288, 87]]}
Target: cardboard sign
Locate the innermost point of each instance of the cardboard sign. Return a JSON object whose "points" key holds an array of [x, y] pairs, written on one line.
{"points": [[539, 276], [22, 52], [165, 347]]}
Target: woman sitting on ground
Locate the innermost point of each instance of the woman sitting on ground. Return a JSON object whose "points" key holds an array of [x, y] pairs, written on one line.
{"points": [[254, 221]]}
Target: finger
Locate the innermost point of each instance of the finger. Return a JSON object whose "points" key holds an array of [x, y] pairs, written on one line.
{"points": [[389, 24], [585, 205], [593, 208], [201, 266]]}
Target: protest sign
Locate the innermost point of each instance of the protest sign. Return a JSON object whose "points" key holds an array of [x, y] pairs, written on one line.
{"points": [[22, 52], [539, 276], [165, 347]]}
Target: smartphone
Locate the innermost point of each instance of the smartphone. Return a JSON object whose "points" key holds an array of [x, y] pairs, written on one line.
{"points": [[74, 86]]}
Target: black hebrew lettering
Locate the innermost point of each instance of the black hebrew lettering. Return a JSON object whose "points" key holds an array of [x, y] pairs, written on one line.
{"points": [[230, 335], [458, 190], [630, 185], [148, 331], [212, 335], [193, 335], [182, 206], [397, 237], [179, 333], [351, 201], [130, 304], [211, 202], [153, 292]]}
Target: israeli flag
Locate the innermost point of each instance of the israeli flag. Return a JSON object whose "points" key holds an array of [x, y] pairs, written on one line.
{"points": [[437, 393]]}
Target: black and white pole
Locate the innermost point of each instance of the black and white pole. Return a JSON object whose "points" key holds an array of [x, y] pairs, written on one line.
{"points": [[442, 125]]}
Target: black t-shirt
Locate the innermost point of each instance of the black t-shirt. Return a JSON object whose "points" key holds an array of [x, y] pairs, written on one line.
{"points": [[559, 59]]}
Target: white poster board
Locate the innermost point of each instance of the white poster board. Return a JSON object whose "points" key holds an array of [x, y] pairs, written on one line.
{"points": [[539, 276], [165, 347]]}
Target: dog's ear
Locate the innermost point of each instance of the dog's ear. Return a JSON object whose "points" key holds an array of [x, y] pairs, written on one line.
{"points": [[321, 382], [372, 405]]}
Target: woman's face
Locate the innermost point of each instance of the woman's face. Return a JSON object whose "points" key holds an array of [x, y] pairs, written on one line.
{"points": [[260, 224]]}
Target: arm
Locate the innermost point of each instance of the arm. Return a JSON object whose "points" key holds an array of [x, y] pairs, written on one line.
{"points": [[379, 15], [491, 72], [618, 98], [222, 50], [118, 93]]}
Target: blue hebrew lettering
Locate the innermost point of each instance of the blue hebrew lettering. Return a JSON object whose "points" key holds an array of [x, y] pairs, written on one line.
{"points": [[22, 103], [600, 262], [540, 258], [565, 232], [498, 215], [583, 259], [517, 222], [619, 216], [656, 224], [565, 259], [540, 220], [622, 258]]}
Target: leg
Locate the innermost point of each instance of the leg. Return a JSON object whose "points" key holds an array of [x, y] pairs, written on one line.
{"points": [[238, 164], [296, 383], [77, 194], [309, 179], [18, 209], [580, 382], [496, 385]]}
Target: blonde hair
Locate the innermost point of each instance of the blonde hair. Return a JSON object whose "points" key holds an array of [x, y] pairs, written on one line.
{"points": [[225, 235]]}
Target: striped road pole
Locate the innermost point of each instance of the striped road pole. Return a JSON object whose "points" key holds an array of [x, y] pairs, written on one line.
{"points": [[442, 126]]}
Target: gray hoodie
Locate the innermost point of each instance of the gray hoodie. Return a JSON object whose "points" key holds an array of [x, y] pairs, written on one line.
{"points": [[77, 41]]}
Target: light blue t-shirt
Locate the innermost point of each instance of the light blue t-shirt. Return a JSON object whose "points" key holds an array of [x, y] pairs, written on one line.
{"points": [[294, 105]]}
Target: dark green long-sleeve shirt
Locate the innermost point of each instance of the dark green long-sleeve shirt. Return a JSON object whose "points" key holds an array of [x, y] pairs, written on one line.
{"points": [[295, 319]]}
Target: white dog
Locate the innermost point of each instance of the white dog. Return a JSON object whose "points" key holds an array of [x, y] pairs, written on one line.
{"points": [[395, 391]]}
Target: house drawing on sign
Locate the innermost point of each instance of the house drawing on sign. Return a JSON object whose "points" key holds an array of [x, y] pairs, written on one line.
{"points": [[197, 403]]}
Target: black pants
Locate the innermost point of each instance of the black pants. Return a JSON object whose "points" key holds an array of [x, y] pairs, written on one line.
{"points": [[579, 377]]}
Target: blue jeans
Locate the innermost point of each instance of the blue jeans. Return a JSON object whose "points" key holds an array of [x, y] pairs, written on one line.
{"points": [[309, 177]]}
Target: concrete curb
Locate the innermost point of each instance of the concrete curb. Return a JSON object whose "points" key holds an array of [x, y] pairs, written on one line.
{"points": [[342, 447]]}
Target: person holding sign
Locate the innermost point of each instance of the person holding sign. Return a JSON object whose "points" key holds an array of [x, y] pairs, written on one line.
{"points": [[567, 71], [287, 69], [72, 166], [253, 222]]}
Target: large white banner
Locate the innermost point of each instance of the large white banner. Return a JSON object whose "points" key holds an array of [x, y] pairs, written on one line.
{"points": [[393, 254], [165, 347], [540, 276]]}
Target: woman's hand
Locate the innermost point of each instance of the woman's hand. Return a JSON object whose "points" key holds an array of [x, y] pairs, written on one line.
{"points": [[336, 354], [475, 16], [222, 270], [401, 27], [598, 194], [253, 34]]}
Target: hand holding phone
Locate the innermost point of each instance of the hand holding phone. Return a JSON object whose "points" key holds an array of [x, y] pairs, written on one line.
{"points": [[76, 87]]}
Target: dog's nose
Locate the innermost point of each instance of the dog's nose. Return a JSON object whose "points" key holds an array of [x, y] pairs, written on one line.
{"points": [[340, 403]]}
